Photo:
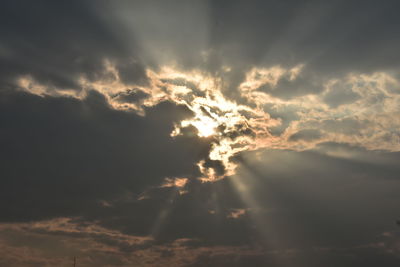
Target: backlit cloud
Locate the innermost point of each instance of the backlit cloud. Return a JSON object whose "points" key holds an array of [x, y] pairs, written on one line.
{"points": [[368, 117]]}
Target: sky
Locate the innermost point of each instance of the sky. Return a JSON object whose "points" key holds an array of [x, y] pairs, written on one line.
{"points": [[200, 133]]}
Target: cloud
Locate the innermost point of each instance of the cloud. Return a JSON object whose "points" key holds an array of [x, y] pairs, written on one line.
{"points": [[57, 44], [59, 241], [202, 133], [307, 135], [338, 94], [77, 152], [360, 119]]}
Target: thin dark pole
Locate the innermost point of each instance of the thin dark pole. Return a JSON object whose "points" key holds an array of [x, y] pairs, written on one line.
{"points": [[74, 261]]}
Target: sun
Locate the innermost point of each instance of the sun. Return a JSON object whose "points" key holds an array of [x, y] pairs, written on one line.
{"points": [[227, 126], [205, 125]]}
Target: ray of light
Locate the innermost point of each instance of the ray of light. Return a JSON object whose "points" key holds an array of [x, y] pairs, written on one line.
{"points": [[272, 238], [164, 213]]}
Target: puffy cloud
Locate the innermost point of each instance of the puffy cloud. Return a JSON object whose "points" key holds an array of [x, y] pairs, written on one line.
{"points": [[360, 118]]}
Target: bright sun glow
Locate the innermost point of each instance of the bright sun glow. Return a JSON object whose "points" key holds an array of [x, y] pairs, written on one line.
{"points": [[232, 126], [205, 126], [229, 127]]}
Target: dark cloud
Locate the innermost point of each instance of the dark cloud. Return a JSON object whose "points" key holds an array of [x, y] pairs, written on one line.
{"points": [[298, 219], [319, 200], [133, 96], [334, 37], [346, 126], [306, 135], [286, 114], [339, 95], [286, 88], [56, 43], [351, 257], [77, 152]]}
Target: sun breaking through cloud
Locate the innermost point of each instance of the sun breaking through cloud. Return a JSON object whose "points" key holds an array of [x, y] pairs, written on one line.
{"points": [[245, 124]]}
